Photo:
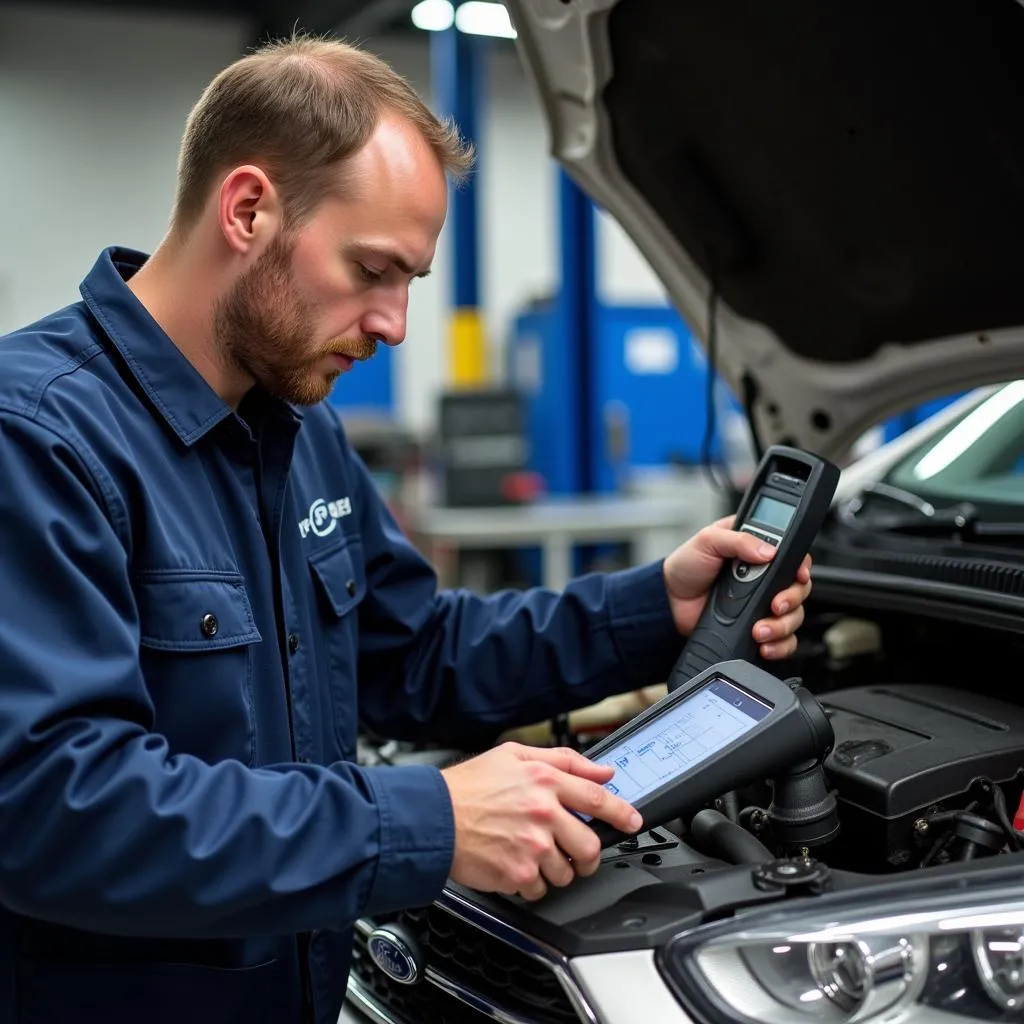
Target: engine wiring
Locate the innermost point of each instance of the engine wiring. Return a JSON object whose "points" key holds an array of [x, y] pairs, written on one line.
{"points": [[973, 828]]}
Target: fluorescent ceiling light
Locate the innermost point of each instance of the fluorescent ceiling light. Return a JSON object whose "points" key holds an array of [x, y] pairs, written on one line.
{"points": [[433, 15], [483, 18]]}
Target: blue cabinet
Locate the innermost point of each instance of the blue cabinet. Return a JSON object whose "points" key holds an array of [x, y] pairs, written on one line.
{"points": [[636, 400]]}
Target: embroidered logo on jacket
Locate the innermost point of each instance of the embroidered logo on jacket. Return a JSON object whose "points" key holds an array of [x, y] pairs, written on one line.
{"points": [[324, 515]]}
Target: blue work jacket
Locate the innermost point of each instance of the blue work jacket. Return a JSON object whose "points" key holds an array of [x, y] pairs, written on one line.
{"points": [[200, 607]]}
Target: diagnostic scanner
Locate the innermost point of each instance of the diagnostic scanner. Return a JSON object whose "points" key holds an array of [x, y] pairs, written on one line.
{"points": [[785, 506], [730, 725]]}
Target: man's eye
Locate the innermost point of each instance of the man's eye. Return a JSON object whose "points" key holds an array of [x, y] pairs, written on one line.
{"points": [[369, 275]]}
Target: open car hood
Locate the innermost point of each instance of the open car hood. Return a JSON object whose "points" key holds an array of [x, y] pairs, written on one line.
{"points": [[847, 177]]}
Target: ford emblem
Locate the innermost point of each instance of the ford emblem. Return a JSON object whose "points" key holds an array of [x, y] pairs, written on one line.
{"points": [[395, 953]]}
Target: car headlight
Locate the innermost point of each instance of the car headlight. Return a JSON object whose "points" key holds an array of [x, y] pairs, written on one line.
{"points": [[938, 959]]}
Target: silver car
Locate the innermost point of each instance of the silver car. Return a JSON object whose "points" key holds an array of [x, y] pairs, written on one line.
{"points": [[833, 196]]}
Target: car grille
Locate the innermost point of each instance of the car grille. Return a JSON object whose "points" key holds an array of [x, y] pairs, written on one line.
{"points": [[470, 976]]}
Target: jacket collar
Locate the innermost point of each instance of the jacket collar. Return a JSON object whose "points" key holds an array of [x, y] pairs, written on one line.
{"points": [[174, 386]]}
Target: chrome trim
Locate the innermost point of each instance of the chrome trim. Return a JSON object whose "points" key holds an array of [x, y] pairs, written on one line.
{"points": [[453, 988], [469, 998], [365, 1003], [368, 1004], [458, 906]]}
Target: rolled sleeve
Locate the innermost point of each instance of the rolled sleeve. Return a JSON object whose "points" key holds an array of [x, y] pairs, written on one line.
{"points": [[417, 837]]}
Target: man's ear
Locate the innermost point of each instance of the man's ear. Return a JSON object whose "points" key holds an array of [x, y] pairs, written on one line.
{"points": [[248, 209]]}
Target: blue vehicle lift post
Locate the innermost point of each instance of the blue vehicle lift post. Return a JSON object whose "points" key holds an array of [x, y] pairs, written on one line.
{"points": [[459, 68]]}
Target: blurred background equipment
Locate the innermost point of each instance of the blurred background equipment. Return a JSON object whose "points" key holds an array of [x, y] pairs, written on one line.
{"points": [[483, 449]]}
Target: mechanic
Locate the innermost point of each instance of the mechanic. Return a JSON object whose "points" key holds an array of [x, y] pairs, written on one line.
{"points": [[204, 595]]}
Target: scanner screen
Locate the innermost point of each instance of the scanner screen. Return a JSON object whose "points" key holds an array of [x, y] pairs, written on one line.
{"points": [[773, 512], [681, 739]]}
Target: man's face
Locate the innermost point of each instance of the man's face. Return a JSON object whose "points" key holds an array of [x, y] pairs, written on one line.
{"points": [[320, 299]]}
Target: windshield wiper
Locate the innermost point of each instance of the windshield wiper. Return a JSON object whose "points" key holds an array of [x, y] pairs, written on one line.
{"points": [[923, 519]]}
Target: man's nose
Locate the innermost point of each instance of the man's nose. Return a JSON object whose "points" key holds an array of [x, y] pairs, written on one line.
{"points": [[387, 325]]}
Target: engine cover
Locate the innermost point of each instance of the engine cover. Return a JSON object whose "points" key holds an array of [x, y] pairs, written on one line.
{"points": [[901, 751]]}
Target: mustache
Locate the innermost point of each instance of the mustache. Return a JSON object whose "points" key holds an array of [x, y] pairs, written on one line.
{"points": [[359, 349]]}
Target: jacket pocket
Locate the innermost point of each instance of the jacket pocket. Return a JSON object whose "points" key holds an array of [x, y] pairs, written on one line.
{"points": [[339, 577], [196, 633], [185, 610], [59, 992]]}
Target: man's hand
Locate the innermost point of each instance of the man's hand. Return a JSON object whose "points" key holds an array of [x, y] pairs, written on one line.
{"points": [[514, 832], [691, 570]]}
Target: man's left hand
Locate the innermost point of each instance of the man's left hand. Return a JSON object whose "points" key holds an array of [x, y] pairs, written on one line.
{"points": [[691, 571]]}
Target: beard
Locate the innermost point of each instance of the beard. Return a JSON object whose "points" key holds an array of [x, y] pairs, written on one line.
{"points": [[264, 328]]}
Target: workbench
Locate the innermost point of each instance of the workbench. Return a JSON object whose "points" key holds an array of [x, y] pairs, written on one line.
{"points": [[654, 524]]}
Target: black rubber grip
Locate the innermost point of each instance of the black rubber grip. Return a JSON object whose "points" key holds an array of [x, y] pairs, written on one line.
{"points": [[705, 647]]}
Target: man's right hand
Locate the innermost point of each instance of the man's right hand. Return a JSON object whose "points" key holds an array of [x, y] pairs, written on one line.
{"points": [[514, 830]]}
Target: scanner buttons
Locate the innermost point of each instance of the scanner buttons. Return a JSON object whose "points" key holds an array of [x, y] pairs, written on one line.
{"points": [[744, 572]]}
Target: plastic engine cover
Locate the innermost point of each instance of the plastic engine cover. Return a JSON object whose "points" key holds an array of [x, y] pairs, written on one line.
{"points": [[902, 750]]}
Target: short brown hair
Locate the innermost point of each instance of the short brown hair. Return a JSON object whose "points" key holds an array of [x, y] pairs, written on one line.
{"points": [[299, 107]]}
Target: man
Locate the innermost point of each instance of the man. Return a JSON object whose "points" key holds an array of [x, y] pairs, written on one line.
{"points": [[204, 595]]}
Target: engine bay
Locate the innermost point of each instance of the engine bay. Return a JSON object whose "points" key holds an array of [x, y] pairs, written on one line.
{"points": [[926, 772], [927, 765], [928, 761], [922, 774], [923, 777]]}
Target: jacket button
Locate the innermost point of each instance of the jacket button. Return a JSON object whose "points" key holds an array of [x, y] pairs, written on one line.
{"points": [[293, 642], [351, 588], [209, 625]]}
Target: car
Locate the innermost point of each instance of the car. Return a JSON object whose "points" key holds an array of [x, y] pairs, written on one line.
{"points": [[833, 196]]}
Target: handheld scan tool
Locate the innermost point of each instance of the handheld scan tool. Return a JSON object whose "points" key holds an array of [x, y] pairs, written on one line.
{"points": [[785, 505]]}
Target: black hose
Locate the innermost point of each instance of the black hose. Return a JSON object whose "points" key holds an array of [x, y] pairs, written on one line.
{"points": [[730, 806], [999, 804], [713, 833]]}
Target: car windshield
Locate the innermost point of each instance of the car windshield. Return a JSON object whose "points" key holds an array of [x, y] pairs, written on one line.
{"points": [[977, 458]]}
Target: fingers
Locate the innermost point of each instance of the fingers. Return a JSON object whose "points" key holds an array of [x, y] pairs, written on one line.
{"points": [[773, 630], [555, 867], [569, 838], [589, 798], [575, 850], [780, 650], [535, 890], [573, 834], [725, 543], [792, 597], [565, 760], [564, 846], [777, 635]]}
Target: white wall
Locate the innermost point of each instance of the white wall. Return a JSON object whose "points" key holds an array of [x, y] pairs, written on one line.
{"points": [[91, 110]]}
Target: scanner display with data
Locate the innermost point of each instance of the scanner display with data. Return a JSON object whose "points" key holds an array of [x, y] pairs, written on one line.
{"points": [[731, 724], [681, 739]]}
